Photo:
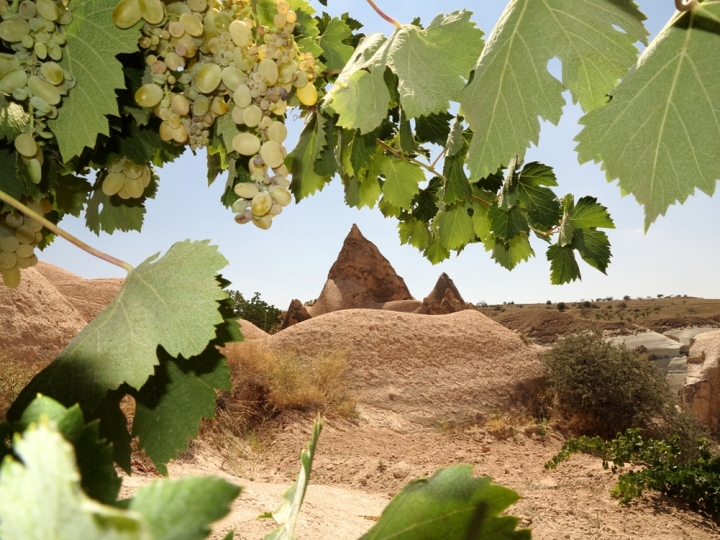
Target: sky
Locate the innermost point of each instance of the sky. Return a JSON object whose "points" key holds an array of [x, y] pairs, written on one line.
{"points": [[678, 255]]}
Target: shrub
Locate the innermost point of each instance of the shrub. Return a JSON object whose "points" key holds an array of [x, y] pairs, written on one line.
{"points": [[257, 311], [561, 306], [549, 302], [603, 390]]}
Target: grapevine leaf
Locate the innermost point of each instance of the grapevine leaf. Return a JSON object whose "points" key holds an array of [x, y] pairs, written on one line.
{"points": [[540, 203], [538, 174], [266, 11], [509, 195], [173, 402], [456, 139], [507, 225], [589, 213], [326, 165], [363, 102], [14, 179], [110, 214], [436, 252], [593, 246], [407, 139], [433, 128], [336, 53], [359, 194], [659, 134], [302, 159], [425, 203], [114, 426], [13, 119], [184, 508], [40, 497], [454, 227], [563, 266], [363, 150], [481, 221], [286, 516], [452, 505], [401, 181], [510, 254], [512, 87], [93, 42], [171, 302], [415, 233], [458, 186], [71, 192], [94, 456]]}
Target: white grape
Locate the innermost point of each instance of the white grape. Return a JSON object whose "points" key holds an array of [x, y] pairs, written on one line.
{"points": [[246, 144], [246, 190], [277, 132], [280, 195], [261, 204], [272, 153]]}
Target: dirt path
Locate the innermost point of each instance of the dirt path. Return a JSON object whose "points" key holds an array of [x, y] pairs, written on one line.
{"points": [[359, 467]]}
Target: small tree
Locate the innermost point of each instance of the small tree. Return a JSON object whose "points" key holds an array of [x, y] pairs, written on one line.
{"points": [[257, 311], [561, 306]]}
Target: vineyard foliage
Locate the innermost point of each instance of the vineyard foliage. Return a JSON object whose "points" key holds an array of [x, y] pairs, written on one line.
{"points": [[430, 125]]}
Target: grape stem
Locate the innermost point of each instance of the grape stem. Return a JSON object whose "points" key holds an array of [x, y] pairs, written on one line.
{"points": [[400, 155], [387, 17], [64, 234], [685, 5]]}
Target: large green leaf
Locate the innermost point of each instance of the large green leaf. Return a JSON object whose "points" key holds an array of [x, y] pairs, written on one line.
{"points": [[402, 179], [450, 505], [512, 87], [660, 133], [301, 161], [539, 201], [183, 509], [563, 265], [510, 254], [363, 103], [41, 499], [454, 227], [336, 53], [171, 302], [110, 214], [93, 41]]}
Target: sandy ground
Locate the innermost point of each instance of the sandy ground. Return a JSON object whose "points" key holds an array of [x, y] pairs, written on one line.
{"points": [[359, 467]]}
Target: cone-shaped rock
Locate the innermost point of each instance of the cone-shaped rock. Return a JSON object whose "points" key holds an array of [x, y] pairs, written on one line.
{"points": [[360, 278], [296, 313], [443, 299]]}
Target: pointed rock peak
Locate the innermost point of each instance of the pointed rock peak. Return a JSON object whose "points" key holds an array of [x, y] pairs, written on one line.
{"points": [[444, 298], [360, 261], [444, 283], [295, 314]]}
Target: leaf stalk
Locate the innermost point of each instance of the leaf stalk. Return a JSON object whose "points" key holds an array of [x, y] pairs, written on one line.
{"points": [[387, 17], [62, 233], [685, 5]]}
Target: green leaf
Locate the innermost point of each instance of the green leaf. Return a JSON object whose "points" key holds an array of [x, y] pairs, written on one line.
{"points": [[359, 194], [114, 426], [542, 207], [481, 222], [93, 41], [327, 165], [507, 225], [41, 499], [71, 192], [13, 119], [14, 179], [401, 181], [171, 302], [425, 203], [512, 87], [286, 516], [509, 195], [458, 186], [563, 266], [172, 403], [451, 505], [362, 102], [433, 128], [184, 508], [659, 133], [454, 227], [110, 214], [363, 150], [436, 252], [415, 233], [593, 246], [305, 181], [589, 213], [510, 254], [336, 53]]}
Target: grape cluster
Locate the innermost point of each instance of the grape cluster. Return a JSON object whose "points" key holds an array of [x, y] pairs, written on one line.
{"points": [[33, 30], [19, 236], [126, 179], [206, 59]]}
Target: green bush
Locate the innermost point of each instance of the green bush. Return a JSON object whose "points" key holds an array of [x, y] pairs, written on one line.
{"points": [[666, 467], [561, 306], [604, 390], [257, 311]]}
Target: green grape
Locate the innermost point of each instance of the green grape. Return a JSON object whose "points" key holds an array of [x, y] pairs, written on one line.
{"points": [[307, 95], [26, 145], [192, 26], [269, 70], [252, 116], [149, 95], [27, 262], [238, 206], [280, 195], [246, 190], [11, 277], [12, 80], [300, 79], [34, 170], [240, 33], [280, 20], [237, 115], [7, 260], [197, 5], [277, 132], [180, 104], [24, 251], [222, 21], [261, 204], [134, 187], [33, 225], [291, 17], [27, 10], [131, 170], [8, 62], [52, 72], [10, 244], [232, 77], [246, 144], [176, 29], [113, 183], [201, 106], [263, 222], [127, 14], [242, 96], [25, 235], [48, 10], [44, 90], [39, 104], [208, 78], [272, 153], [177, 8], [14, 220], [40, 50], [283, 7], [56, 54], [152, 11], [27, 42], [14, 29]]}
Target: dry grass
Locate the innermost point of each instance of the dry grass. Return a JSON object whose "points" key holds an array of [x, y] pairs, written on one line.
{"points": [[14, 376]]}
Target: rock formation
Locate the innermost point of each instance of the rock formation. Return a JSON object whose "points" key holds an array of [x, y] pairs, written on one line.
{"points": [[701, 390], [444, 298], [360, 278], [250, 331], [295, 314]]}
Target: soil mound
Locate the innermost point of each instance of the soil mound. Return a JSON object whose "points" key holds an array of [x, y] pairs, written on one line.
{"points": [[361, 277], [250, 331], [546, 326], [36, 320], [88, 296], [408, 370], [677, 323]]}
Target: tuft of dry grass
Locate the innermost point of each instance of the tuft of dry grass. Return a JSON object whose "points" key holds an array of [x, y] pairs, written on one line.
{"points": [[14, 376]]}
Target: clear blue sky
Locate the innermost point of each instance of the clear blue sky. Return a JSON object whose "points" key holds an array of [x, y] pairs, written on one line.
{"points": [[679, 255]]}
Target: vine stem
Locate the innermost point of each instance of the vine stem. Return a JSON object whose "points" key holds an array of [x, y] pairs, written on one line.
{"points": [[390, 19], [64, 234], [685, 5], [400, 155]]}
